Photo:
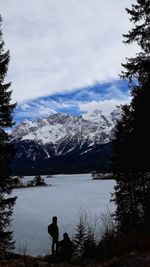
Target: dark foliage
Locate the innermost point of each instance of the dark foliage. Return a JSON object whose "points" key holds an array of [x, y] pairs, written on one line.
{"points": [[132, 145], [80, 236], [85, 242], [6, 153]]}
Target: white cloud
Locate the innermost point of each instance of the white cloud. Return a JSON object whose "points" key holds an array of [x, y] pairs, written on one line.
{"points": [[33, 111], [61, 45], [106, 106], [42, 109], [114, 97]]}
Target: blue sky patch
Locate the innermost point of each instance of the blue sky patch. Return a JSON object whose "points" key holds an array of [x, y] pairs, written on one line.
{"points": [[74, 102]]}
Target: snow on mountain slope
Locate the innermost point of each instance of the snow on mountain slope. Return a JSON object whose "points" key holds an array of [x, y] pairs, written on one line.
{"points": [[92, 128], [62, 142], [62, 135]]}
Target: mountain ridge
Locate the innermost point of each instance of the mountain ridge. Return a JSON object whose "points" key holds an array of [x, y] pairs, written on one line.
{"points": [[63, 136]]}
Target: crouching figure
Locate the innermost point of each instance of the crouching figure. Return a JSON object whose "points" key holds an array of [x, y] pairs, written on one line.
{"points": [[65, 248]]}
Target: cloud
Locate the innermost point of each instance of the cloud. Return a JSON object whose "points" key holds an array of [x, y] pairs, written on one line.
{"points": [[105, 105], [114, 95], [104, 97], [33, 110], [57, 46]]}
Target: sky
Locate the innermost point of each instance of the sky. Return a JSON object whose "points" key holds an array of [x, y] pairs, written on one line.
{"points": [[66, 55]]}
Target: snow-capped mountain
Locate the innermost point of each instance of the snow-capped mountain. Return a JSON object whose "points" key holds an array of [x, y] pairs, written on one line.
{"points": [[92, 128], [61, 134]]}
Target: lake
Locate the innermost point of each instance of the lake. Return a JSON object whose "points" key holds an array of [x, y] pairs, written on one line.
{"points": [[66, 198]]}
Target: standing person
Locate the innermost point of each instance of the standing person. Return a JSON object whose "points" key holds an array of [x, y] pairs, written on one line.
{"points": [[54, 233]]}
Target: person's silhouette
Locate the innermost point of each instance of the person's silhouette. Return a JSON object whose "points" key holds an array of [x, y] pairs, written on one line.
{"points": [[54, 233], [65, 247]]}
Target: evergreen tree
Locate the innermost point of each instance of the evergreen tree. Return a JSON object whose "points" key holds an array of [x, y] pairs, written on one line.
{"points": [[6, 152], [80, 236], [132, 144]]}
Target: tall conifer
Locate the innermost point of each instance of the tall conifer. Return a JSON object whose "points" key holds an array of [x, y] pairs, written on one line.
{"points": [[6, 152], [132, 145]]}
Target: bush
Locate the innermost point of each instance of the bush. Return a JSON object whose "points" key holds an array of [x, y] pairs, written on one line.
{"points": [[107, 244], [85, 239]]}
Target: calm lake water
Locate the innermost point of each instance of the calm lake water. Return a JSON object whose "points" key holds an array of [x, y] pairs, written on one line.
{"points": [[66, 198]]}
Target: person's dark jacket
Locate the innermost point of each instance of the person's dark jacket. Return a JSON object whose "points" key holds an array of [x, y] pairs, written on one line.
{"points": [[53, 231]]}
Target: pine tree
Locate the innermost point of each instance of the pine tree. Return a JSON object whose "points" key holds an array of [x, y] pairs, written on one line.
{"points": [[80, 236], [6, 153], [132, 144]]}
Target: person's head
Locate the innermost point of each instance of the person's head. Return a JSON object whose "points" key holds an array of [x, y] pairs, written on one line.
{"points": [[54, 219], [66, 237]]}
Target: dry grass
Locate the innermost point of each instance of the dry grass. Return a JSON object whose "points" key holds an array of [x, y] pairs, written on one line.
{"points": [[131, 260]]}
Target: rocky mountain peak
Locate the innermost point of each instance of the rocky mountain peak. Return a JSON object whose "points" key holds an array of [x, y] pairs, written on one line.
{"points": [[94, 127], [51, 143]]}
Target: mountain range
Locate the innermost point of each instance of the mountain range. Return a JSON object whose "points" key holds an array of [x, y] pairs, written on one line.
{"points": [[62, 143]]}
